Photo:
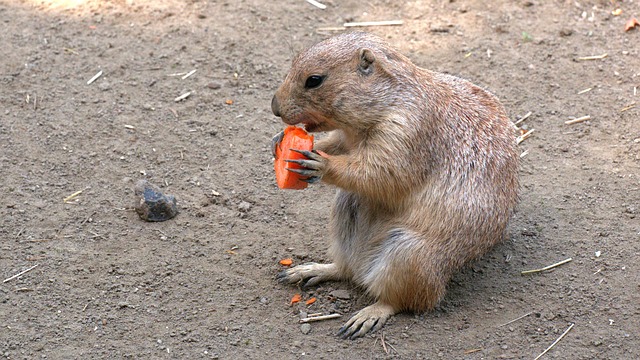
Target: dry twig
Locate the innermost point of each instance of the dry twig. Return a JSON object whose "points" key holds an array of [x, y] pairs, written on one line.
{"points": [[593, 57], [373, 23], [524, 136], [320, 318], [182, 97], [94, 78], [317, 4], [523, 118], [578, 120], [335, 28], [584, 91], [189, 74], [555, 342], [546, 267]]}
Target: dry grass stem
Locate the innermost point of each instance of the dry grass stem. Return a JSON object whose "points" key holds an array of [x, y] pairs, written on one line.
{"points": [[578, 120], [182, 97], [327, 29], [524, 136], [72, 196], [373, 23], [555, 342], [384, 345], [629, 107], [94, 78], [584, 91], [523, 118], [593, 57], [20, 273], [471, 351], [546, 267], [317, 4], [516, 319], [189, 74]]}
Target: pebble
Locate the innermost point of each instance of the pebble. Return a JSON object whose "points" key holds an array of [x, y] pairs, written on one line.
{"points": [[566, 32], [152, 204], [244, 207], [341, 294], [214, 85], [104, 86], [305, 328]]}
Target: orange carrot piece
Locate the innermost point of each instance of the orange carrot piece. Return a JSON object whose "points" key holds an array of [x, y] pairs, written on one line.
{"points": [[295, 299], [294, 138], [286, 262], [633, 22], [310, 301]]}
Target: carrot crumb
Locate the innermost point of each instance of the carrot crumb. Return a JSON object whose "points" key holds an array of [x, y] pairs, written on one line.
{"points": [[295, 299], [286, 262], [633, 22], [310, 301]]}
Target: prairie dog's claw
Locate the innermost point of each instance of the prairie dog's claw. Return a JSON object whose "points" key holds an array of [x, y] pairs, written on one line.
{"points": [[275, 141], [313, 167], [313, 155]]}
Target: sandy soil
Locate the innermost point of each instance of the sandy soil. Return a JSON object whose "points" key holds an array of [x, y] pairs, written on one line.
{"points": [[108, 285]]}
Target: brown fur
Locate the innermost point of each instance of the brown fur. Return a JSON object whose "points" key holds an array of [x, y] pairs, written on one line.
{"points": [[425, 164]]}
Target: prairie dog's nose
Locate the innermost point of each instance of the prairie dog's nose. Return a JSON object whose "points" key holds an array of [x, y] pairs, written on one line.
{"points": [[275, 107]]}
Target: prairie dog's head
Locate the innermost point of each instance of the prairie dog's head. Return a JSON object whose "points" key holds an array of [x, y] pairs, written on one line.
{"points": [[346, 77]]}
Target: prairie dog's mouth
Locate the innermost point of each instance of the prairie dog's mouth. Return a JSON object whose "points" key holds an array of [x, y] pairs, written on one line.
{"points": [[311, 127], [309, 122]]}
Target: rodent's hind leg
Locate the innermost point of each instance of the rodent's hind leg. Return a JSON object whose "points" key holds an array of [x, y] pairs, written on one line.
{"points": [[368, 319], [310, 274]]}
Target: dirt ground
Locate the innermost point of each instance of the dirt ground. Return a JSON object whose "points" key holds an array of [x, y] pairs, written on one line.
{"points": [[202, 285]]}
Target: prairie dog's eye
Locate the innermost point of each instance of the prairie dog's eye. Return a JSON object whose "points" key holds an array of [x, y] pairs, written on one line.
{"points": [[313, 81]]}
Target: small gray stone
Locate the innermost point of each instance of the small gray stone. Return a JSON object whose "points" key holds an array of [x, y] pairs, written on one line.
{"points": [[244, 207], [305, 328], [104, 86], [341, 294], [152, 204], [214, 85]]}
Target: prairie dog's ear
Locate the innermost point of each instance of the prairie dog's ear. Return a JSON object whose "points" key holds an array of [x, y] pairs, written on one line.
{"points": [[366, 60]]}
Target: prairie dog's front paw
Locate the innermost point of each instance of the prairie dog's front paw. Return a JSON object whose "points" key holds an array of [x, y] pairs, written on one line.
{"points": [[309, 274], [314, 167], [371, 318]]}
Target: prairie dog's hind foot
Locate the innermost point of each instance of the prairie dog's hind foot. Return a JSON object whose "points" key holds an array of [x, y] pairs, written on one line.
{"points": [[368, 319], [309, 274]]}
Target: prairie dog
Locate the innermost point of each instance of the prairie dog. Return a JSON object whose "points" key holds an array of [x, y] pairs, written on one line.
{"points": [[425, 165]]}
